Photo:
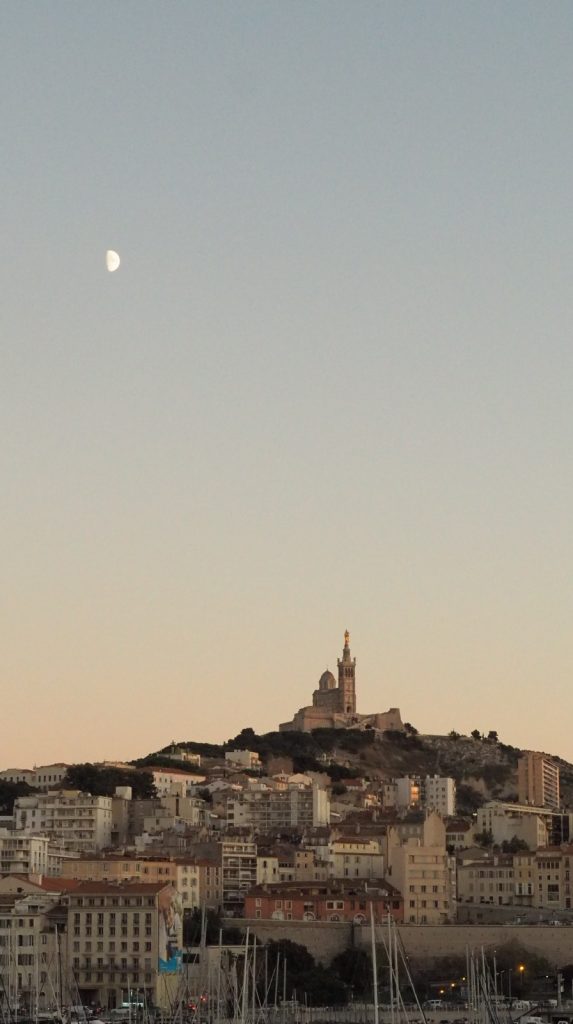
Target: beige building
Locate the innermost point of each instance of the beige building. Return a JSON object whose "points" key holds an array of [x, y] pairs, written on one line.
{"points": [[486, 881], [242, 759], [356, 857], [123, 937], [198, 881], [32, 948], [423, 872], [538, 780], [334, 703]]}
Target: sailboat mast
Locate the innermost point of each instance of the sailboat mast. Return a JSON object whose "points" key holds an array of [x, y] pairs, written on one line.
{"points": [[374, 965]]}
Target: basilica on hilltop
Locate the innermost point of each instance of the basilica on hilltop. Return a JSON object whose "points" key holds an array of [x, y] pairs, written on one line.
{"points": [[334, 703]]}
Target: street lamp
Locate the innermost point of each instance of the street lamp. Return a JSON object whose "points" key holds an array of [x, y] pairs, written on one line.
{"points": [[521, 969]]}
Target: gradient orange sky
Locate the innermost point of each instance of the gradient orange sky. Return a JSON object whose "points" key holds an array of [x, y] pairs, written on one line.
{"points": [[329, 386]]}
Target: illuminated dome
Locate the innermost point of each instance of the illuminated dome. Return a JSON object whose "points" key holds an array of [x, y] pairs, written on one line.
{"points": [[327, 681]]}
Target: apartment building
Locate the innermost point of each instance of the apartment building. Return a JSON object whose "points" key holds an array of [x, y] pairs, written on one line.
{"points": [[487, 881], [173, 780], [505, 821], [356, 857], [74, 820], [538, 780], [273, 809], [422, 871], [124, 936], [32, 948], [22, 853], [238, 873], [408, 793], [243, 759], [439, 794], [334, 900], [26, 775], [197, 880]]}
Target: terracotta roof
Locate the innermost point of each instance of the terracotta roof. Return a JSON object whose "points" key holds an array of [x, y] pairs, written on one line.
{"points": [[374, 889], [47, 883], [133, 888]]}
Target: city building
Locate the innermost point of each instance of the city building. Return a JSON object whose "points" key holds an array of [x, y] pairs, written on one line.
{"points": [[124, 937], [408, 793], [73, 820], [488, 880], [297, 805], [23, 853], [356, 857], [538, 780], [176, 753], [243, 759], [238, 873], [334, 703], [439, 794], [506, 821], [422, 871], [334, 900]]}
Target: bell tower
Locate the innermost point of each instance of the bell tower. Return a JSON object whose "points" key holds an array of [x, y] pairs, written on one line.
{"points": [[347, 679]]}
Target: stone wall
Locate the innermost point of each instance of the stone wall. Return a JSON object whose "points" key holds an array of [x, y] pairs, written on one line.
{"points": [[325, 939]]}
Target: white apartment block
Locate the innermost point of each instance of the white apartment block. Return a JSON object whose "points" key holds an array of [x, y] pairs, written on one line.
{"points": [[408, 793], [439, 794], [270, 809], [73, 820], [174, 781], [22, 853], [242, 759], [239, 873], [505, 820]]}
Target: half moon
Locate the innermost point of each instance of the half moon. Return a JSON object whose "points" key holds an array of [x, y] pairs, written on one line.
{"points": [[112, 260]]}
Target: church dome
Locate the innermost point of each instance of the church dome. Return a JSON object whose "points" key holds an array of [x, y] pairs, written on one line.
{"points": [[327, 681]]}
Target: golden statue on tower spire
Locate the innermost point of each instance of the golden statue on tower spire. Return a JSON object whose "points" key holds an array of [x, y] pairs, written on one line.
{"points": [[346, 638]]}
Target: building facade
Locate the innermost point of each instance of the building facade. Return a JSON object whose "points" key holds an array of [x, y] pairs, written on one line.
{"points": [[124, 938], [538, 780], [334, 702], [335, 900]]}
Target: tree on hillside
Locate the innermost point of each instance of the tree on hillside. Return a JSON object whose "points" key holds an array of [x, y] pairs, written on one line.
{"points": [[90, 778], [484, 838], [492, 736], [475, 734], [468, 799], [410, 729], [514, 845], [9, 791]]}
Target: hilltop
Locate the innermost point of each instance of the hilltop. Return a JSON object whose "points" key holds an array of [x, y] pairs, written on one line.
{"points": [[484, 768]]}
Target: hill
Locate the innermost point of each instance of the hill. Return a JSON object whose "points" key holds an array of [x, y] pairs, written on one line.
{"points": [[483, 766]]}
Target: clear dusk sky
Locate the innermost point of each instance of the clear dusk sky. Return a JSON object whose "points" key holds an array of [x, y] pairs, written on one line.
{"points": [[330, 386]]}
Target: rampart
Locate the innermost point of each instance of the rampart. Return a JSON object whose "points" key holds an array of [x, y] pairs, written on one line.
{"points": [[325, 939]]}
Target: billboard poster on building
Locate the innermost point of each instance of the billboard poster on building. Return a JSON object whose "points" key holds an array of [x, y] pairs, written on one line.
{"points": [[170, 931]]}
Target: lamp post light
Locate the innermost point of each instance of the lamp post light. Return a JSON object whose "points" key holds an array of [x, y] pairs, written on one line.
{"points": [[521, 970]]}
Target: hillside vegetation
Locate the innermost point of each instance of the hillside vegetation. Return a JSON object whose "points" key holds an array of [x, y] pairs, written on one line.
{"points": [[481, 764]]}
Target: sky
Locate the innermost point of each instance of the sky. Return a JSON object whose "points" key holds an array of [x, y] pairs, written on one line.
{"points": [[328, 388]]}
